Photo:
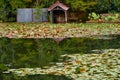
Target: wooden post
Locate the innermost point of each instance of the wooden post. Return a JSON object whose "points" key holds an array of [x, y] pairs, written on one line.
{"points": [[51, 16], [65, 16], [32, 15]]}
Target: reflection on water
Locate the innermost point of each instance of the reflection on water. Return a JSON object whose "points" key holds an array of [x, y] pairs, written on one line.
{"points": [[16, 53], [33, 77]]}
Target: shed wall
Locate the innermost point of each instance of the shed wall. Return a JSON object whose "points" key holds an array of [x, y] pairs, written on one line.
{"points": [[24, 15], [28, 15]]}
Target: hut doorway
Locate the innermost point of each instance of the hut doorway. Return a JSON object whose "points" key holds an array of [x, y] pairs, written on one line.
{"points": [[58, 16]]}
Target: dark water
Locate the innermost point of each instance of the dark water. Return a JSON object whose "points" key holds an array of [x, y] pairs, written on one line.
{"points": [[32, 77], [17, 53]]}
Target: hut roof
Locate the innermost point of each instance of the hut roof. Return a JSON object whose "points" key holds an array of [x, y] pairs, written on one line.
{"points": [[58, 4]]}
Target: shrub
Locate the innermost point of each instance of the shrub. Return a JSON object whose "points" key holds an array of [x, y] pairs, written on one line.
{"points": [[114, 17], [3, 67], [1, 21], [93, 16]]}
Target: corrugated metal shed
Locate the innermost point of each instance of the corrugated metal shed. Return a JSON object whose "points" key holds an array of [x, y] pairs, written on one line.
{"points": [[28, 15], [24, 15]]}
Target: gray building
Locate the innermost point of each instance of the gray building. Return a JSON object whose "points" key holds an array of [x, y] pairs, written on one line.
{"points": [[29, 15]]}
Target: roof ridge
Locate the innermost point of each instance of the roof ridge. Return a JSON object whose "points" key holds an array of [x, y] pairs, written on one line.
{"points": [[58, 3]]}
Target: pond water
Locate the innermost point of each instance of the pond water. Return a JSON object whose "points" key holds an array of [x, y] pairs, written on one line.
{"points": [[31, 53]]}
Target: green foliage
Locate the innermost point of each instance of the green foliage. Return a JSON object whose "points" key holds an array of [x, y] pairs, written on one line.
{"points": [[1, 21], [80, 5], [47, 77], [4, 10], [8, 9], [105, 6], [43, 3], [38, 11], [117, 4], [3, 68], [93, 16], [112, 17], [77, 70], [11, 76]]}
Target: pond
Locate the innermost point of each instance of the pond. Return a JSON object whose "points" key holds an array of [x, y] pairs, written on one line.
{"points": [[33, 53]]}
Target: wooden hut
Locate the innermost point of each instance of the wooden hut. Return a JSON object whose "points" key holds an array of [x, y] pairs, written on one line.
{"points": [[58, 12]]}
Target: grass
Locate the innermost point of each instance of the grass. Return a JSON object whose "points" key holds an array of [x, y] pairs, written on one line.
{"points": [[47, 30]]}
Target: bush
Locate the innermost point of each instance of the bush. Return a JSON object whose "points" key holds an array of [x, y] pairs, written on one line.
{"points": [[93, 16], [114, 17], [1, 21], [3, 68]]}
